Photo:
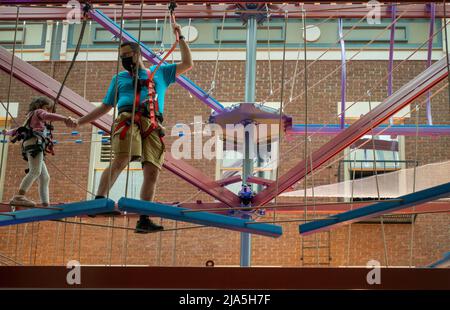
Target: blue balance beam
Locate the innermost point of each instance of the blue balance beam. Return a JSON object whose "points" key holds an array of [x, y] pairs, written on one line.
{"points": [[444, 262], [376, 209], [203, 218], [67, 210]]}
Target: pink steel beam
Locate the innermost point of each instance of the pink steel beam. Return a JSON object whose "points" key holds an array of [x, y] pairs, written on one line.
{"points": [[46, 85], [391, 105], [260, 181], [394, 130], [217, 11]]}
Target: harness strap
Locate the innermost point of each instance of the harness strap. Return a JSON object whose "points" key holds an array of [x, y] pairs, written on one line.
{"points": [[152, 108]]}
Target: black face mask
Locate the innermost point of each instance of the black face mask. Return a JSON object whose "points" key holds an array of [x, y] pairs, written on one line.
{"points": [[127, 63]]}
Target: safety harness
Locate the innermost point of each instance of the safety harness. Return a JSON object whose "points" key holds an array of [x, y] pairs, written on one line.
{"points": [[43, 143], [150, 110]]}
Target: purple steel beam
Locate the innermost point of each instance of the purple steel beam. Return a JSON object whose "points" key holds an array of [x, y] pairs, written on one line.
{"points": [[343, 71], [395, 130], [432, 7], [190, 86], [391, 52], [230, 180], [46, 85], [391, 105]]}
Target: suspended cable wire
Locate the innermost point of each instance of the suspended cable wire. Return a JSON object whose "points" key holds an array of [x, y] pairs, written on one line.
{"points": [[86, 62], [280, 116], [269, 51], [216, 65], [376, 84], [446, 46], [132, 130], [305, 91], [375, 170], [8, 98], [416, 148], [349, 236], [116, 92], [320, 56], [351, 58]]}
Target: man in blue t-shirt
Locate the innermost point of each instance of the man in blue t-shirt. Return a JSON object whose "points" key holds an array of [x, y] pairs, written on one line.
{"points": [[146, 145]]}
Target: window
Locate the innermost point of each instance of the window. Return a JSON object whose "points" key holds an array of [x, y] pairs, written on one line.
{"points": [[238, 34], [7, 35], [363, 34], [386, 154]]}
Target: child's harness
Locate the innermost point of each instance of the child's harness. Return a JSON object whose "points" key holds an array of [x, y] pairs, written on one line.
{"points": [[43, 139]]}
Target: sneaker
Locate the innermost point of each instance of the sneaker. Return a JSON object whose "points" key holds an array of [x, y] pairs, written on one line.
{"points": [[145, 226], [22, 201]]}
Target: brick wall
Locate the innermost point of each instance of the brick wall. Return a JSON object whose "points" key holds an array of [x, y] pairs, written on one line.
{"points": [[54, 243]]}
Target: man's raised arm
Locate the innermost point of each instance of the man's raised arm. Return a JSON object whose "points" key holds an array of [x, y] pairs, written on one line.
{"points": [[186, 59]]}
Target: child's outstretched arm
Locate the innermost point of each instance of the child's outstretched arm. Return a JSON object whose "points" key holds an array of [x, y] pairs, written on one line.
{"points": [[53, 117], [10, 132]]}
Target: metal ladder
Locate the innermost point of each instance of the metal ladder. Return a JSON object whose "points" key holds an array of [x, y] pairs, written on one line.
{"points": [[316, 249]]}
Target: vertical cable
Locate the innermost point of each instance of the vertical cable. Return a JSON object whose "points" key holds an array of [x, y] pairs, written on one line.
{"points": [[86, 62], [305, 87], [132, 127], [280, 113], [56, 241], [216, 65], [80, 235], [411, 245], [30, 254], [174, 250], [9, 88], [64, 243], [16, 244], [116, 91], [351, 208], [293, 80], [429, 54], [446, 48], [36, 244], [383, 234], [269, 52]]}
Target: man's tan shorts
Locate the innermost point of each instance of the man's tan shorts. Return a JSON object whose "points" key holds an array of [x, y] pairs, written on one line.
{"points": [[150, 149]]}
